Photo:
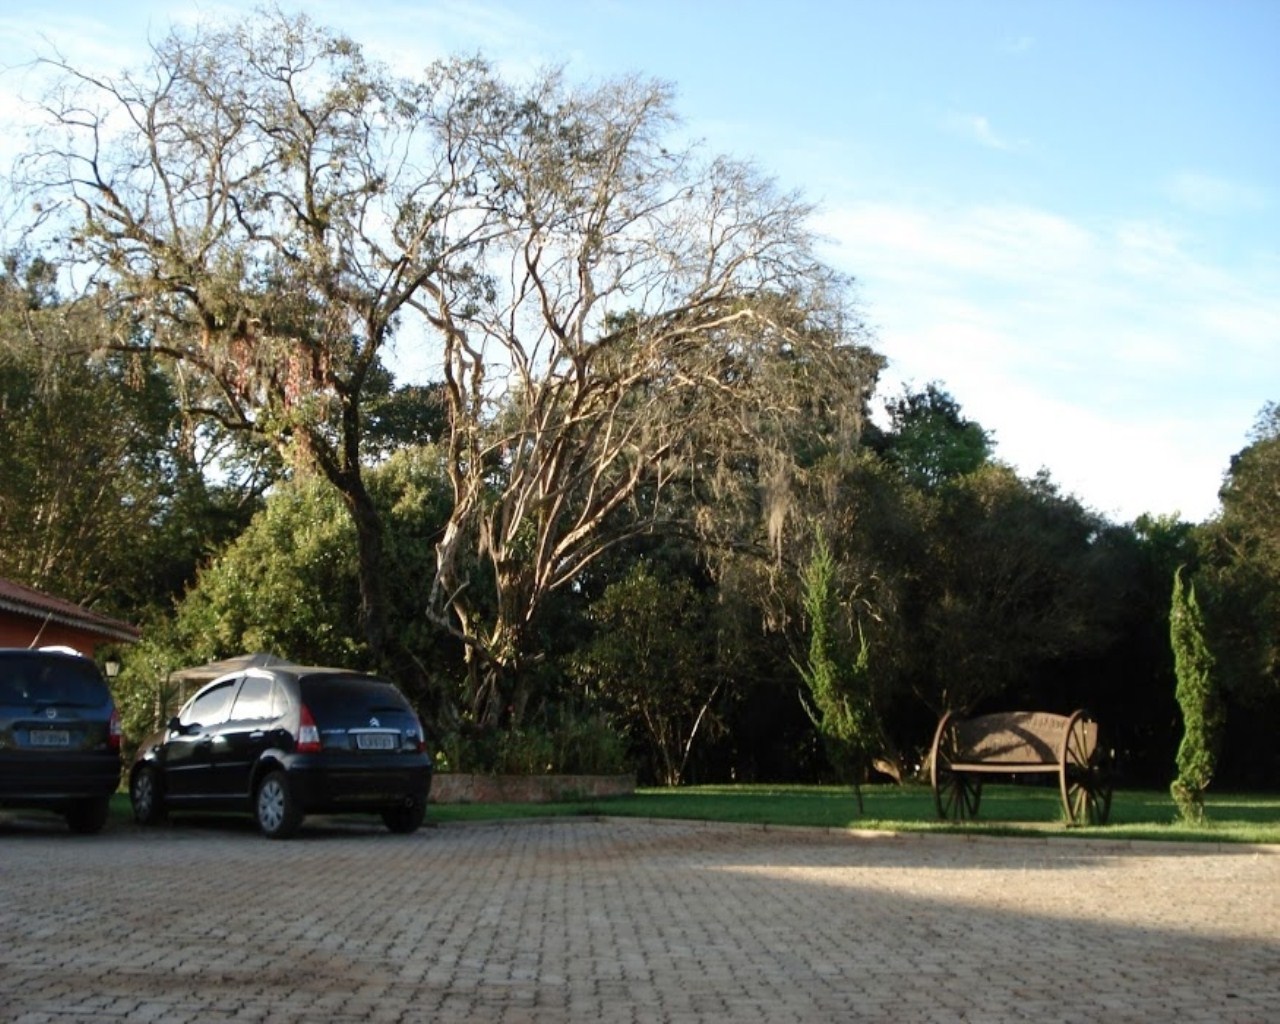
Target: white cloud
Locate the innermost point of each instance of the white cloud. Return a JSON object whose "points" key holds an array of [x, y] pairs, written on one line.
{"points": [[1119, 466], [1106, 352], [1204, 193], [409, 36], [977, 128], [1249, 322]]}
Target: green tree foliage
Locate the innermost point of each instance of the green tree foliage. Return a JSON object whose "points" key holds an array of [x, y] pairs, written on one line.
{"points": [[877, 525], [1251, 492], [402, 416], [103, 498], [289, 584], [1012, 583], [839, 695], [1203, 714], [286, 586], [654, 662], [145, 693], [1240, 570], [1129, 682], [1238, 583], [930, 441], [973, 584]]}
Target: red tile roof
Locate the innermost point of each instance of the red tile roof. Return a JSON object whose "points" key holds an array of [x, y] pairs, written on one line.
{"points": [[19, 600]]}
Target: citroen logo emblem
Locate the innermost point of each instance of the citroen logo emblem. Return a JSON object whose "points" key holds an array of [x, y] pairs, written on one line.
{"points": [[374, 722], [50, 712]]}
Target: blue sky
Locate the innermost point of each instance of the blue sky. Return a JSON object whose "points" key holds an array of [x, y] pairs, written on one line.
{"points": [[1067, 213]]}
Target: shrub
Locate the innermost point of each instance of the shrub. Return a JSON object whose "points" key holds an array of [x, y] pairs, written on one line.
{"points": [[571, 743]]}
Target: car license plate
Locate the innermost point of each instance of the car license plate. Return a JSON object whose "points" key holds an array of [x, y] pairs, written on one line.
{"points": [[377, 741], [50, 738]]}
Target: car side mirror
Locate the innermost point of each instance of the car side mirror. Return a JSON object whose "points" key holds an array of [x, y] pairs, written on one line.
{"points": [[176, 726]]}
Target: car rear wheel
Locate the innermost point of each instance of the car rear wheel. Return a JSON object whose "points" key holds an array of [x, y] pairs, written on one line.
{"points": [[406, 818], [277, 810], [86, 817], [144, 794]]}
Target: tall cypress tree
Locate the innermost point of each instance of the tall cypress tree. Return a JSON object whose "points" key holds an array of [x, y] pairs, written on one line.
{"points": [[1203, 713]]}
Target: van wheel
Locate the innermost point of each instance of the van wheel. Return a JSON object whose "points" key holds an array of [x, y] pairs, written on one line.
{"points": [[276, 808], [405, 818], [144, 794], [86, 817]]}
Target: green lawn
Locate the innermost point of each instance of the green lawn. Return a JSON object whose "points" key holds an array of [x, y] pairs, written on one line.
{"points": [[1005, 810]]}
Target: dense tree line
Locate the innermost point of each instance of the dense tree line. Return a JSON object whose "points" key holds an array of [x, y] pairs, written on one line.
{"points": [[643, 517]]}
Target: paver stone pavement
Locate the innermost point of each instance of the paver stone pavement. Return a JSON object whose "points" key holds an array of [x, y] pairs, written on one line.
{"points": [[601, 921]]}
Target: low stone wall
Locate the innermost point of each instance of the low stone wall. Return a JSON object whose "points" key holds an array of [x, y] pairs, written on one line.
{"points": [[458, 788]]}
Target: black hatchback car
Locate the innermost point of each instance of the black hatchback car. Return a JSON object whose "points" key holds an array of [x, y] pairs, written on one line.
{"points": [[287, 741], [59, 736]]}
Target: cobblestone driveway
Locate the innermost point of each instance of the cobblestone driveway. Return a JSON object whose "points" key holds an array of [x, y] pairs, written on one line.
{"points": [[618, 920]]}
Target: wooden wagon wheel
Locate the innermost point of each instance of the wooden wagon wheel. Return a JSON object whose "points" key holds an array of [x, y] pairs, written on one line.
{"points": [[1085, 773], [955, 794]]}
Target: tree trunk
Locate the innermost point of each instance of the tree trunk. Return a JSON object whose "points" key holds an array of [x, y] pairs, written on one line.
{"points": [[369, 548]]}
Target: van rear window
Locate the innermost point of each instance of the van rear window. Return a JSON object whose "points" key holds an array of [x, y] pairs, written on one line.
{"points": [[43, 679]]}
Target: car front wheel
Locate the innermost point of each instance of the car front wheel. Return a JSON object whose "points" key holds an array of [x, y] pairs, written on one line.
{"points": [[275, 807], [144, 794]]}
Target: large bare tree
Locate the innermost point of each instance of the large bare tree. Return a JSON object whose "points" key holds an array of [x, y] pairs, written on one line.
{"points": [[618, 319], [654, 326]]}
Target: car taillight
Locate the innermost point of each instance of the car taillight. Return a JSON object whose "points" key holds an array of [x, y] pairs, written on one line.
{"points": [[308, 734], [113, 731]]}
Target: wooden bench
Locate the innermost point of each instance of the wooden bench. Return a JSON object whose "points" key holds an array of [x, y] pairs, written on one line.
{"points": [[967, 750]]}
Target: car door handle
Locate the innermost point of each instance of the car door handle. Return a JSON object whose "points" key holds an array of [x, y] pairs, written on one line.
{"points": [[257, 734]]}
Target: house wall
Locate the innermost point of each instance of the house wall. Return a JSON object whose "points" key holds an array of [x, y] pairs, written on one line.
{"points": [[22, 631]]}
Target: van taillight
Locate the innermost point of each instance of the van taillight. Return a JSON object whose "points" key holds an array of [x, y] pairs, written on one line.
{"points": [[308, 734], [113, 731]]}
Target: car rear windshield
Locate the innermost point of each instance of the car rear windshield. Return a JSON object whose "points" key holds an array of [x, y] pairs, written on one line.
{"points": [[336, 696], [42, 679]]}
